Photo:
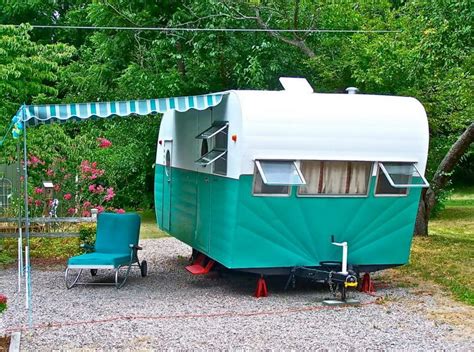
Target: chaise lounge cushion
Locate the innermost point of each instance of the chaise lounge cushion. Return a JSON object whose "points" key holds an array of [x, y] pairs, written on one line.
{"points": [[90, 259]]}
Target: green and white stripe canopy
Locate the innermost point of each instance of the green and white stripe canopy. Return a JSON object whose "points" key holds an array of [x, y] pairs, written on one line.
{"points": [[39, 114]]}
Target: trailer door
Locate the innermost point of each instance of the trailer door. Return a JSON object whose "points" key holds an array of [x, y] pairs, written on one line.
{"points": [[167, 170], [203, 230]]}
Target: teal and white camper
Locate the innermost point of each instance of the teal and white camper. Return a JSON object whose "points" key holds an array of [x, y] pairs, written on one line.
{"points": [[262, 180]]}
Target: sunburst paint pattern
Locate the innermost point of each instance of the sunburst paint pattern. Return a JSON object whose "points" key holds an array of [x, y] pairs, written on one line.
{"points": [[240, 230]]}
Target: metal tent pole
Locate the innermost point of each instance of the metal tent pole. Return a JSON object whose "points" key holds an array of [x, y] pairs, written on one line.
{"points": [[20, 230], [27, 222]]}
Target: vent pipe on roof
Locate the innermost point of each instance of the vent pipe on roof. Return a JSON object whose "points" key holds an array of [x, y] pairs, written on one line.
{"points": [[352, 90]]}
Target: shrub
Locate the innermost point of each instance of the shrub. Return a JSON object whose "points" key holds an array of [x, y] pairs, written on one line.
{"points": [[87, 234], [3, 303]]}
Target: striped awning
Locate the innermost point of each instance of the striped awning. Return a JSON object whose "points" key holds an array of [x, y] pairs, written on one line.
{"points": [[40, 114]]}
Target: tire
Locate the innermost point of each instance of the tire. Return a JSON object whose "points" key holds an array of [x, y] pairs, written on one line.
{"points": [[144, 268], [93, 272]]}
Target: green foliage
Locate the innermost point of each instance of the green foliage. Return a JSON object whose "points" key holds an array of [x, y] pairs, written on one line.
{"points": [[430, 58], [87, 234], [6, 258], [43, 248], [27, 70]]}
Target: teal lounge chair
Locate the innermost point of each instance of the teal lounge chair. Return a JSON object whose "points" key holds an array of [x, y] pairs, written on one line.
{"points": [[116, 246]]}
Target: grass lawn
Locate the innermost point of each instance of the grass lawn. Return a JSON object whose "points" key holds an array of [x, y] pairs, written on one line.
{"points": [[446, 256], [149, 228]]}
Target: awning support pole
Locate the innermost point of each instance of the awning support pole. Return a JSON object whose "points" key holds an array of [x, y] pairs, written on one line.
{"points": [[20, 230], [27, 222]]}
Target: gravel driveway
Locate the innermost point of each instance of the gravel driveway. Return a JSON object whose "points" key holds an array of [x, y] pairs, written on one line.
{"points": [[171, 309]]}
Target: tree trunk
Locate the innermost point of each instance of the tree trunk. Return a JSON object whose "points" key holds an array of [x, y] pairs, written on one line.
{"points": [[421, 224], [441, 178]]}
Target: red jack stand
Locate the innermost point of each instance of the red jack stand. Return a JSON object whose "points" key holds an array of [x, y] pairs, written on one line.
{"points": [[367, 285], [201, 265], [261, 290]]}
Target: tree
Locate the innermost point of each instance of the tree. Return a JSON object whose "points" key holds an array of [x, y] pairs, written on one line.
{"points": [[441, 179], [28, 71]]}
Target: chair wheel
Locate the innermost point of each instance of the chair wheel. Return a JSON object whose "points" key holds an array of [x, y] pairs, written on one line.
{"points": [[144, 268], [93, 272]]}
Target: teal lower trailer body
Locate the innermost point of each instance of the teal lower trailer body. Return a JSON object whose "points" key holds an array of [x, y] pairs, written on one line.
{"points": [[221, 218]]}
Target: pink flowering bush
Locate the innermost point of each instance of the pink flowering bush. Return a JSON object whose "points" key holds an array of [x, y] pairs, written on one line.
{"points": [[78, 188], [3, 303], [104, 143]]}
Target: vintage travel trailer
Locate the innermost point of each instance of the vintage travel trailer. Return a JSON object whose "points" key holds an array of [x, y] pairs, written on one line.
{"points": [[263, 180]]}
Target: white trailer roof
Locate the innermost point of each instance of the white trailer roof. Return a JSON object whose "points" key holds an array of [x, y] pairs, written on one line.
{"points": [[314, 126]]}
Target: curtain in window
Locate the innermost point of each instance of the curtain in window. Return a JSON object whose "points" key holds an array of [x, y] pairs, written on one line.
{"points": [[335, 177], [312, 172], [359, 180]]}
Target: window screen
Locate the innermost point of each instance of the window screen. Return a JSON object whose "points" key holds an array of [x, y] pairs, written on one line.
{"points": [[335, 177], [260, 188], [396, 178], [279, 172]]}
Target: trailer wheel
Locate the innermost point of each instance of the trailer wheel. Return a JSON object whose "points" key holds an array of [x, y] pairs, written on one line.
{"points": [[144, 268]]}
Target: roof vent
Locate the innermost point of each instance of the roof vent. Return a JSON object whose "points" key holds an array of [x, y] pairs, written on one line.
{"points": [[352, 90], [296, 85]]}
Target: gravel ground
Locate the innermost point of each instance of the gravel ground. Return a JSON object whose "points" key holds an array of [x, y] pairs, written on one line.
{"points": [[171, 309]]}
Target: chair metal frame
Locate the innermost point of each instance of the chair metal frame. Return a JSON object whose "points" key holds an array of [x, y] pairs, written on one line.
{"points": [[93, 269]]}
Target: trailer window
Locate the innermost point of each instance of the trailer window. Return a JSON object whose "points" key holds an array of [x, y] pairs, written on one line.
{"points": [[275, 177], [396, 178], [280, 172], [204, 147], [215, 135], [220, 142], [262, 189], [338, 178]]}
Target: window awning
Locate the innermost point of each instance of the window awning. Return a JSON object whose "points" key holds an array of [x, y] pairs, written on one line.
{"points": [[216, 128], [210, 157], [39, 114], [280, 172], [403, 175]]}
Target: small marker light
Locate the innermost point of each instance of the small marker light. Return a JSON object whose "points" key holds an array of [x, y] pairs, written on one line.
{"points": [[160, 141], [234, 137]]}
